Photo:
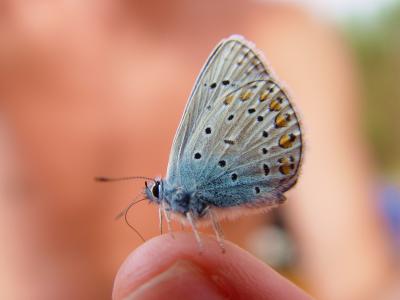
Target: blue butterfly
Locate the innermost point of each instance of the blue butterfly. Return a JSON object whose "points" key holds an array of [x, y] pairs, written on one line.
{"points": [[238, 147]]}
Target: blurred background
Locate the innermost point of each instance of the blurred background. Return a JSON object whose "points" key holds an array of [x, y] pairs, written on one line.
{"points": [[90, 88]]}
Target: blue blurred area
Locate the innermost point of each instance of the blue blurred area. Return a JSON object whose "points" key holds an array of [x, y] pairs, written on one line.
{"points": [[390, 207]]}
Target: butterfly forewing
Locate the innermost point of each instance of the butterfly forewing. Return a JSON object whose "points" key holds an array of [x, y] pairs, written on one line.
{"points": [[232, 63]]}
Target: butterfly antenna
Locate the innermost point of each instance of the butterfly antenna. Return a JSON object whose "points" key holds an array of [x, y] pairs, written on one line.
{"points": [[124, 213], [109, 179], [129, 224]]}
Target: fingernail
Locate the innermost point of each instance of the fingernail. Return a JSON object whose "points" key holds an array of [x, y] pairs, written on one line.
{"points": [[183, 280]]}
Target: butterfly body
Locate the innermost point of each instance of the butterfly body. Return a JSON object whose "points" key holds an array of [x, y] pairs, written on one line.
{"points": [[176, 198]]}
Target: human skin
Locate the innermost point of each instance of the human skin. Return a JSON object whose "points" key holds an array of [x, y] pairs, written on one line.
{"points": [[174, 268]]}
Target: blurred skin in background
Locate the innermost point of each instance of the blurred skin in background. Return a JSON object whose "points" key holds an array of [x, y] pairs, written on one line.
{"points": [[98, 87]]}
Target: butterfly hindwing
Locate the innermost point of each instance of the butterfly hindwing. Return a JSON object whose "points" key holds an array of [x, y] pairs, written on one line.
{"points": [[247, 150]]}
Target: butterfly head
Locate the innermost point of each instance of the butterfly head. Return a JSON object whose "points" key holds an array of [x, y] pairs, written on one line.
{"points": [[154, 190]]}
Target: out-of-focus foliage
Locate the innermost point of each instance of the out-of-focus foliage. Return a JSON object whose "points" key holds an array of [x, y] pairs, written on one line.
{"points": [[376, 42]]}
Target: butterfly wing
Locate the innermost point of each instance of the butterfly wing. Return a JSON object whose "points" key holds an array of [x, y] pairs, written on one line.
{"points": [[238, 143], [231, 63]]}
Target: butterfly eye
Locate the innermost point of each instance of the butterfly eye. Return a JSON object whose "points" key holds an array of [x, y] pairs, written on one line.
{"points": [[155, 191]]}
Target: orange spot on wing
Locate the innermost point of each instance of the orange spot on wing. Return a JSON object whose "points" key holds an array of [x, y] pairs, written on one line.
{"points": [[286, 165], [245, 95], [287, 140], [228, 100], [263, 96], [285, 169], [282, 120], [275, 105]]}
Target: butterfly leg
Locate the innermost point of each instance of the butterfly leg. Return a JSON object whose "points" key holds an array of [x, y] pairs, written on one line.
{"points": [[217, 229], [167, 215], [160, 219], [191, 221]]}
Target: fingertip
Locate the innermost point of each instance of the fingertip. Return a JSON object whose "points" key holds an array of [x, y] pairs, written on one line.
{"points": [[157, 256], [153, 270]]}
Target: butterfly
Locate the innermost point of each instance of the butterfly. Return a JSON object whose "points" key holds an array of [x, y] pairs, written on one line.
{"points": [[238, 146]]}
